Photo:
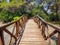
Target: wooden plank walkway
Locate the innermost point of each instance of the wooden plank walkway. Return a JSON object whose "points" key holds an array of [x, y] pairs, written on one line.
{"points": [[32, 35]]}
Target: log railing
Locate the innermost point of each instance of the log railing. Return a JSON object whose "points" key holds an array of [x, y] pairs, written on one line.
{"points": [[45, 27], [13, 29]]}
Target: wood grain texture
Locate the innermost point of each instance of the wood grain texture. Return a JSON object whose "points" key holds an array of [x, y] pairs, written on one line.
{"points": [[32, 35]]}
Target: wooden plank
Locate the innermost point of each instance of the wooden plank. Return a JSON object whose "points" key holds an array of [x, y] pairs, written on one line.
{"points": [[32, 35]]}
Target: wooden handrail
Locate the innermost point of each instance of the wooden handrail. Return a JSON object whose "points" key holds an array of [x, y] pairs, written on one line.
{"points": [[44, 25], [7, 24], [20, 24], [17, 24], [53, 26]]}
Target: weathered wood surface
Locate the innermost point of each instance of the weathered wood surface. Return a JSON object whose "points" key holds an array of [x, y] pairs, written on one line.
{"points": [[12, 34], [32, 35]]}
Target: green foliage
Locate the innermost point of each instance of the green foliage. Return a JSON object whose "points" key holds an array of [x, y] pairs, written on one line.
{"points": [[44, 16], [39, 11], [4, 16], [15, 3], [16, 18], [7, 16], [54, 17]]}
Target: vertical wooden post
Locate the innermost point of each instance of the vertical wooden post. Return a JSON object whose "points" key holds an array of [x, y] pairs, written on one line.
{"points": [[23, 19], [11, 36], [39, 24], [43, 31], [1, 38], [26, 18], [22, 22], [17, 29], [58, 40], [19, 23]]}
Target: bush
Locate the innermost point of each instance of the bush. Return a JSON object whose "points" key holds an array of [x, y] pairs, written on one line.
{"points": [[7, 16], [39, 11], [4, 16], [16, 18]]}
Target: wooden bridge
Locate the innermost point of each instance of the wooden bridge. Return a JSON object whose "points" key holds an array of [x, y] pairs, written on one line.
{"points": [[33, 31]]}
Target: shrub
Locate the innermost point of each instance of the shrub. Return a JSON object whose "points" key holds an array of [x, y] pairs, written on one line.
{"points": [[7, 16]]}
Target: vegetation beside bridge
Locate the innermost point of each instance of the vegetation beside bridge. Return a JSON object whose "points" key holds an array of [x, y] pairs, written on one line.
{"points": [[13, 10]]}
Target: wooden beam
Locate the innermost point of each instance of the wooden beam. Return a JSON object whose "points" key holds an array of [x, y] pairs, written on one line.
{"points": [[10, 33], [54, 32], [10, 23], [17, 29], [49, 24], [43, 31], [1, 38], [58, 40]]}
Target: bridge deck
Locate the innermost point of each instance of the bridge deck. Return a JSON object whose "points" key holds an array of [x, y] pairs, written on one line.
{"points": [[32, 35]]}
